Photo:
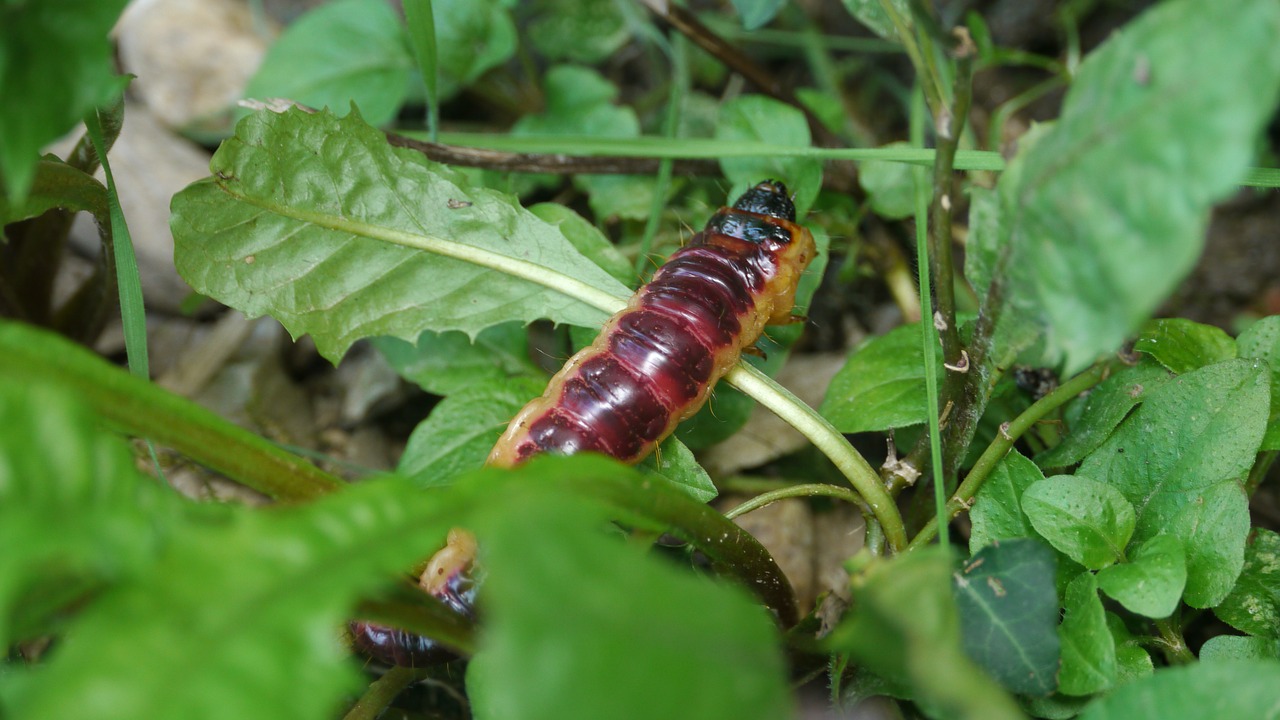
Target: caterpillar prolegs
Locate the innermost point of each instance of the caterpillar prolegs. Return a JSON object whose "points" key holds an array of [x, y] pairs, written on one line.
{"points": [[652, 366]]}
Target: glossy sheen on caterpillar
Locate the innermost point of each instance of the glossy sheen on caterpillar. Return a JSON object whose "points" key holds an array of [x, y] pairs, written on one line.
{"points": [[655, 362], [652, 366]]}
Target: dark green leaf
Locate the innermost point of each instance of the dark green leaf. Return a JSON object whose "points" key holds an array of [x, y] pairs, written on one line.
{"points": [[317, 221], [1009, 614], [341, 52], [1132, 659], [578, 620], [904, 627], [1151, 580], [881, 387], [1203, 691], [1087, 520], [1103, 409], [756, 118], [757, 13], [997, 510], [444, 363], [1103, 214], [55, 64], [481, 36], [1180, 459], [1234, 647], [1182, 345], [1088, 648], [1253, 606], [586, 33], [1262, 340]]}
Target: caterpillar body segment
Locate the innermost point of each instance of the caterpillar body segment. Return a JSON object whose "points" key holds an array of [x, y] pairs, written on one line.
{"points": [[652, 366], [654, 363]]}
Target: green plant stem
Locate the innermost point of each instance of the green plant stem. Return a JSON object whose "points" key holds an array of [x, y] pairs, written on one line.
{"points": [[795, 491], [1173, 644], [134, 406], [1259, 471], [1008, 435], [380, 693], [425, 615], [829, 441]]}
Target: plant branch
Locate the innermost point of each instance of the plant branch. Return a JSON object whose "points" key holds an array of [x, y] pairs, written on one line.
{"points": [[1008, 435], [380, 693], [797, 491]]}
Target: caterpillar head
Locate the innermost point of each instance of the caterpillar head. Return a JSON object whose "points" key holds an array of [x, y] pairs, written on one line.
{"points": [[769, 197]]}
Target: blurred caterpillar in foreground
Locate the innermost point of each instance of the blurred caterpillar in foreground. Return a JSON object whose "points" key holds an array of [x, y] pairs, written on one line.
{"points": [[652, 366]]}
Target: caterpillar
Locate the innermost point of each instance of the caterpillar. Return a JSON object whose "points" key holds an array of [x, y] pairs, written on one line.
{"points": [[652, 366]]}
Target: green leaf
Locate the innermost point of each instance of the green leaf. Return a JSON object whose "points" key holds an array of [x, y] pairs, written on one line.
{"points": [[1253, 606], [74, 512], [1009, 614], [905, 628], [881, 387], [1104, 213], [317, 221], [871, 13], [1203, 691], [756, 14], [1088, 648], [997, 510], [674, 462], [588, 239], [1262, 340], [339, 53], [1234, 647], [581, 103], [1151, 580], [586, 33], [890, 185], [1102, 411], [238, 593], [1182, 345], [461, 430], [1132, 659], [1179, 460], [445, 363], [570, 618], [55, 65], [481, 36], [1089, 521], [756, 118]]}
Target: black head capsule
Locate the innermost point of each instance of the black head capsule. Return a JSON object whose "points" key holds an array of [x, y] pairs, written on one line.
{"points": [[768, 198]]}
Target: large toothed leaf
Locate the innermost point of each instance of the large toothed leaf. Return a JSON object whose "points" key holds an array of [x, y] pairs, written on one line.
{"points": [[318, 222], [1104, 213]]}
